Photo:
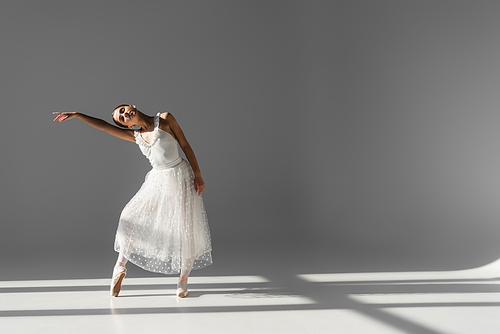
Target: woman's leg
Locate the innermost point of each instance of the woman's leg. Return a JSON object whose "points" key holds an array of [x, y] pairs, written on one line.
{"points": [[119, 273], [122, 260], [187, 264], [187, 259]]}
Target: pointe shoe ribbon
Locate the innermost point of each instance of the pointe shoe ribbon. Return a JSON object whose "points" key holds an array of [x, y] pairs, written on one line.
{"points": [[182, 290], [116, 282]]}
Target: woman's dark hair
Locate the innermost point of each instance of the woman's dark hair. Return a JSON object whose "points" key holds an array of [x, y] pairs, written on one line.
{"points": [[114, 120]]}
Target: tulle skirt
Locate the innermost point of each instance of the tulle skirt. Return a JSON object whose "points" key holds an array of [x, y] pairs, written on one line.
{"points": [[164, 226]]}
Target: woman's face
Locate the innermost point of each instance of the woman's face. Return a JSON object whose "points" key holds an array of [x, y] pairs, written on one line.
{"points": [[125, 115]]}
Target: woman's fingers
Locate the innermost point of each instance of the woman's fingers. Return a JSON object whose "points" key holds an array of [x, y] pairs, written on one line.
{"points": [[60, 116], [199, 188]]}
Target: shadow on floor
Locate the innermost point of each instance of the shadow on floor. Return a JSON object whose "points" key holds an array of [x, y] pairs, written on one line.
{"points": [[321, 291]]}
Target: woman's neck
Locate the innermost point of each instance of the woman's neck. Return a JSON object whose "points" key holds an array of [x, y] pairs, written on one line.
{"points": [[145, 122]]}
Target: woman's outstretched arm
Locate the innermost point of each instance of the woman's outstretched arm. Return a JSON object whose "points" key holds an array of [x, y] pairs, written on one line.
{"points": [[125, 134]]}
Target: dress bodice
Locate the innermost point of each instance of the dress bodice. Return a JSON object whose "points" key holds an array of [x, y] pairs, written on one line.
{"points": [[162, 152]]}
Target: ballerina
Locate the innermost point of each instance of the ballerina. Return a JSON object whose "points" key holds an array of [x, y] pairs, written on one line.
{"points": [[164, 227]]}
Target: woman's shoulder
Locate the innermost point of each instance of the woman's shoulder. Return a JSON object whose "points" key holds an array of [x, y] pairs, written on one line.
{"points": [[167, 118], [167, 121], [161, 119], [165, 114]]}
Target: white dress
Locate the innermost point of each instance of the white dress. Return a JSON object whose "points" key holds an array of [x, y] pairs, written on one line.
{"points": [[164, 227]]}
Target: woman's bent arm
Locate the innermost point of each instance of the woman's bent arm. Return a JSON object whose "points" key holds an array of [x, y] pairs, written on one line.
{"points": [[199, 184], [125, 134]]}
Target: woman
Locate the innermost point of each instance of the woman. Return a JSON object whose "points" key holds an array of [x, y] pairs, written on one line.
{"points": [[164, 227]]}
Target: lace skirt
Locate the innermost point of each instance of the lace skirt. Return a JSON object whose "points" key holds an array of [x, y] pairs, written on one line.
{"points": [[164, 226]]}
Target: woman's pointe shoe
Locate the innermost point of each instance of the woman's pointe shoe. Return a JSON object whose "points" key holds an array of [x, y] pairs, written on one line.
{"points": [[182, 292], [116, 282], [182, 289]]}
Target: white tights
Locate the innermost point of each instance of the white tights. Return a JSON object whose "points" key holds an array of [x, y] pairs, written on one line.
{"points": [[121, 259], [187, 265]]}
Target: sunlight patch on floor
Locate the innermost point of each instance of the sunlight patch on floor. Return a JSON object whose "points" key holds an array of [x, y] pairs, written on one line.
{"points": [[489, 271]]}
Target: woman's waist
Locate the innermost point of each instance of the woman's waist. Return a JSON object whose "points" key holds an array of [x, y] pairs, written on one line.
{"points": [[166, 164]]}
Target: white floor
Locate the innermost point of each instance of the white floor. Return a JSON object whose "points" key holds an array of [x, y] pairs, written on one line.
{"points": [[368, 303]]}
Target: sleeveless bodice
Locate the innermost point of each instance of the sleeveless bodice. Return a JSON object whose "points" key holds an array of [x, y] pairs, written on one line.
{"points": [[162, 152]]}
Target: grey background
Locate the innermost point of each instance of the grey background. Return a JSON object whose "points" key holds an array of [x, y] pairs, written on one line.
{"points": [[333, 136]]}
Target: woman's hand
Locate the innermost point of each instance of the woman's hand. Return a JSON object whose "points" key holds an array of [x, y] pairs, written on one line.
{"points": [[64, 116], [199, 185], [99, 124]]}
